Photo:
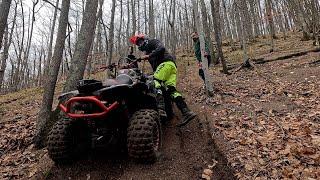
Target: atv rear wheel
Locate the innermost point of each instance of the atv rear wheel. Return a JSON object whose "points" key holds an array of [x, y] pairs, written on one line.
{"points": [[68, 140], [144, 136]]}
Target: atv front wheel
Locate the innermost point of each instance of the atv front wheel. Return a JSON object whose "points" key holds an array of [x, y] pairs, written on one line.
{"points": [[144, 136], [68, 140]]}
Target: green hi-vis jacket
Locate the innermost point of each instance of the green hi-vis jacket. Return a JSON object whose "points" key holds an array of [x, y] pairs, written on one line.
{"points": [[197, 49]]}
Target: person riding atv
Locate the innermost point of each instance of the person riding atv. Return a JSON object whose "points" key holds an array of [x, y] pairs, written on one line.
{"points": [[118, 114], [165, 74]]}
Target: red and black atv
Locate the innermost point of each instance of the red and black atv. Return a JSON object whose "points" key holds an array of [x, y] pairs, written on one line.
{"points": [[121, 111]]}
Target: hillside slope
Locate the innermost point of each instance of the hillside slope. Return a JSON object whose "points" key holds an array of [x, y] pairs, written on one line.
{"points": [[264, 124]]}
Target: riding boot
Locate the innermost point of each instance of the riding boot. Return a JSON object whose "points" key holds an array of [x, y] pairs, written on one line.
{"points": [[187, 114], [161, 106]]}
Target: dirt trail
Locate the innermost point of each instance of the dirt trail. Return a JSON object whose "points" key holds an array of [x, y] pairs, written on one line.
{"points": [[186, 152]]}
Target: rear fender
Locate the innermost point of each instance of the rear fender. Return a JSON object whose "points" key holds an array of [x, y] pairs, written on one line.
{"points": [[113, 92], [149, 101]]}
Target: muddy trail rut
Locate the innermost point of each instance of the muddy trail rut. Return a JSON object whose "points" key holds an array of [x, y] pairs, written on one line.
{"points": [[185, 153]]}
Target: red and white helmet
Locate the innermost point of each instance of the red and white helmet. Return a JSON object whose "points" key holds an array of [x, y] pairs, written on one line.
{"points": [[134, 39]]}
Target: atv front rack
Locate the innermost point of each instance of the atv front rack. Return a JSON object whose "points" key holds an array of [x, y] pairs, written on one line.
{"points": [[90, 99]]}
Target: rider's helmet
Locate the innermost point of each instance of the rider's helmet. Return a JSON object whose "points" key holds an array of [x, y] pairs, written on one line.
{"points": [[135, 39]]}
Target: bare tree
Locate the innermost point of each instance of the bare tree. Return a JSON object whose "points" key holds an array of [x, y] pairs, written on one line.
{"points": [[7, 43], [134, 16], [83, 45], [4, 12], [111, 31], [217, 30], [152, 32], [51, 38], [202, 48], [207, 30], [271, 23], [20, 46], [45, 118]]}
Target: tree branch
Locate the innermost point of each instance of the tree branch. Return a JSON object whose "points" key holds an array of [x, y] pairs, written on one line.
{"points": [[52, 4]]}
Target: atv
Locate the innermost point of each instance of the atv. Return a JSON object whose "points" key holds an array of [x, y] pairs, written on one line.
{"points": [[121, 111]]}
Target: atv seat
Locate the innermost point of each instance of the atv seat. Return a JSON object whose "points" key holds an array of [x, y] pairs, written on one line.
{"points": [[122, 79]]}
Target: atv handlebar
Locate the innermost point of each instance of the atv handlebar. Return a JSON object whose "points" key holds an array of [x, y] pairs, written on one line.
{"points": [[113, 65]]}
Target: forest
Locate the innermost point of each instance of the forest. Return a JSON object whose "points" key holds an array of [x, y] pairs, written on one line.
{"points": [[257, 98]]}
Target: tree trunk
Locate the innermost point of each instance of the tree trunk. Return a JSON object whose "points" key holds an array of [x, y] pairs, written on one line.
{"points": [[111, 34], [240, 18], [33, 19], [202, 47], [47, 62], [207, 30], [4, 12], [134, 16], [17, 74], [230, 32], [7, 44], [270, 23], [25, 70], [4, 57], [217, 30], [151, 20], [39, 76], [145, 15], [83, 45], [119, 49], [45, 120]]}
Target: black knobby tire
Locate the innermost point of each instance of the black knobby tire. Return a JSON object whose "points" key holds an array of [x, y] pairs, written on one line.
{"points": [[68, 140], [144, 136]]}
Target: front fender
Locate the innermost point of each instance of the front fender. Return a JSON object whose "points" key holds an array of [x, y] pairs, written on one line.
{"points": [[65, 96]]}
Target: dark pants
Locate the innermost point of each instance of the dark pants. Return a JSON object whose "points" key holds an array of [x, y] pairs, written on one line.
{"points": [[201, 72]]}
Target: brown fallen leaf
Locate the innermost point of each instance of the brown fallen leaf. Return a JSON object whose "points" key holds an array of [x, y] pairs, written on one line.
{"points": [[286, 151], [207, 174], [248, 167], [32, 172], [316, 140], [206, 177]]}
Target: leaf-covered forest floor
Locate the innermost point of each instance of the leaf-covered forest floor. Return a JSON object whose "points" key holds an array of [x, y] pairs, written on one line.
{"points": [[268, 116], [265, 121]]}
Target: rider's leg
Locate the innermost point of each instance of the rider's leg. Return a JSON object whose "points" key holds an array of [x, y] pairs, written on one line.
{"points": [[171, 83], [159, 77], [160, 102]]}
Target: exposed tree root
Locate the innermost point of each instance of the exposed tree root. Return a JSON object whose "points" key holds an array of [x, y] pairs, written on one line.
{"points": [[250, 65], [302, 53], [245, 65], [314, 63]]}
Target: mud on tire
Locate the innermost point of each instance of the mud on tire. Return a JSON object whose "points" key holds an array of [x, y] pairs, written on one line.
{"points": [[68, 140], [144, 136]]}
